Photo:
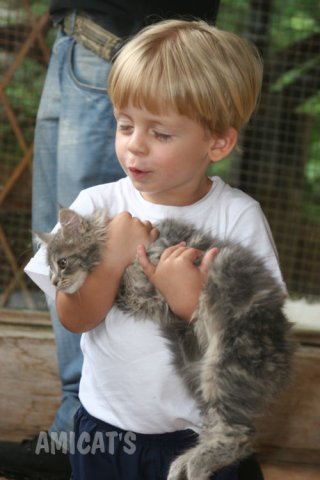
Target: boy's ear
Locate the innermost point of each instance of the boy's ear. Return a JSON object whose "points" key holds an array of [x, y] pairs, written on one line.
{"points": [[222, 146]]}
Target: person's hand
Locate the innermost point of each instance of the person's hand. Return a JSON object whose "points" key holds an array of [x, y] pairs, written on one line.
{"points": [[84, 310], [124, 234], [176, 276]]}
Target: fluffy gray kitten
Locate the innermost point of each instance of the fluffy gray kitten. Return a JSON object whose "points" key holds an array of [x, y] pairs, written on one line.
{"points": [[234, 358]]}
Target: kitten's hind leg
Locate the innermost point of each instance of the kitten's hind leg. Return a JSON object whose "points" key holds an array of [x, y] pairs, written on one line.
{"points": [[220, 445], [178, 468], [195, 464]]}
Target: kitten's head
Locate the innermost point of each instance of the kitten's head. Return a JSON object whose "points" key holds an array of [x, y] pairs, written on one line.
{"points": [[74, 250]]}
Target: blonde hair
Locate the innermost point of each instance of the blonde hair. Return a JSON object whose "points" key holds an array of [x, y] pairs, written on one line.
{"points": [[209, 75]]}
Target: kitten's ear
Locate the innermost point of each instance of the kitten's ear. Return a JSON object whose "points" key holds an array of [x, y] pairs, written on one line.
{"points": [[43, 238], [71, 222]]}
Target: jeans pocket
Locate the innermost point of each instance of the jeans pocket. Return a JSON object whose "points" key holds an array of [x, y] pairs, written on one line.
{"points": [[87, 70], [60, 40]]}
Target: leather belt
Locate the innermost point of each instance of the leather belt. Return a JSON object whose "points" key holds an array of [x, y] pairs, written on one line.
{"points": [[91, 35]]}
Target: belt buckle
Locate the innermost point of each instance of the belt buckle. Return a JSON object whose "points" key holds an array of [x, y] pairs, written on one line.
{"points": [[91, 35]]}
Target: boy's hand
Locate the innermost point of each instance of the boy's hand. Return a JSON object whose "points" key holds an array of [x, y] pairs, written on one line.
{"points": [[177, 278], [125, 233], [86, 308]]}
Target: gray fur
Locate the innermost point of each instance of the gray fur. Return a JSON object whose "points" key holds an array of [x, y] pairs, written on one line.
{"points": [[236, 356], [78, 242]]}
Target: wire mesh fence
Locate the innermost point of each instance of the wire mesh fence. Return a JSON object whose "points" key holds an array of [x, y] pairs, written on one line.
{"points": [[24, 55], [279, 161]]}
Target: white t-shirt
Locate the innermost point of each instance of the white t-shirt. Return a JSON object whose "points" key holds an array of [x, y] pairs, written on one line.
{"points": [[128, 379]]}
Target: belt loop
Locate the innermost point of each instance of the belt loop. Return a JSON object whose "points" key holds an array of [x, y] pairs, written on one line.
{"points": [[69, 23], [73, 17]]}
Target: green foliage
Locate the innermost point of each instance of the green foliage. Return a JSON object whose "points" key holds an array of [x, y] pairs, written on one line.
{"points": [[293, 20], [38, 7], [221, 168]]}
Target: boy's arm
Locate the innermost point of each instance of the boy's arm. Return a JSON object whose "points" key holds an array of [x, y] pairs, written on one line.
{"points": [[177, 278], [85, 309]]}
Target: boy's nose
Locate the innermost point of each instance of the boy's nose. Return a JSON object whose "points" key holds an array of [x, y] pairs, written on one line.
{"points": [[137, 143]]}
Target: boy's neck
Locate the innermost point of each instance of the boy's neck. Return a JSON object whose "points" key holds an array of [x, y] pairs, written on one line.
{"points": [[175, 199]]}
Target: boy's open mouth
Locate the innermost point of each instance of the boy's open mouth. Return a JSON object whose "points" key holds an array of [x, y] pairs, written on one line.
{"points": [[135, 172]]}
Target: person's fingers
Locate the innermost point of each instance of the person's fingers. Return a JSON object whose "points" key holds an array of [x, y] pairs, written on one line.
{"points": [[148, 224], [207, 260], [154, 232], [191, 253], [124, 214], [144, 261], [173, 251]]}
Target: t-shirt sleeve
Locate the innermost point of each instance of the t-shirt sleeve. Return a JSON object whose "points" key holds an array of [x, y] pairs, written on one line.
{"points": [[252, 230], [37, 269]]}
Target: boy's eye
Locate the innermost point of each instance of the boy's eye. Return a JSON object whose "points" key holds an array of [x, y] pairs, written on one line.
{"points": [[124, 128], [62, 263], [162, 136]]}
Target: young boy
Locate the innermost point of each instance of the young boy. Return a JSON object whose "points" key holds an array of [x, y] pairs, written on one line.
{"points": [[181, 92]]}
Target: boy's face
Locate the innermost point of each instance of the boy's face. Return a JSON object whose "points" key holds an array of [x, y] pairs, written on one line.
{"points": [[165, 156]]}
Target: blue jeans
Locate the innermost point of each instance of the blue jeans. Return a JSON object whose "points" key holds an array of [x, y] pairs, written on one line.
{"points": [[74, 149]]}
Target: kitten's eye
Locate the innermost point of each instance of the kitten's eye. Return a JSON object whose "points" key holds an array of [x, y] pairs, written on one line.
{"points": [[62, 263]]}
